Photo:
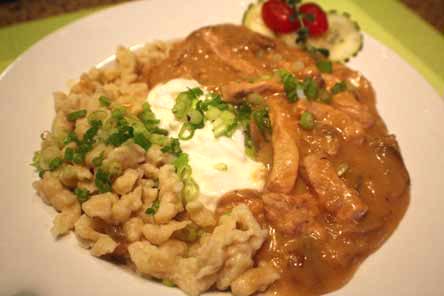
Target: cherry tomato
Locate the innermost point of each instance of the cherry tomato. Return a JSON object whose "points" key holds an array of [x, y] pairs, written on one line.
{"points": [[278, 16], [314, 18]]}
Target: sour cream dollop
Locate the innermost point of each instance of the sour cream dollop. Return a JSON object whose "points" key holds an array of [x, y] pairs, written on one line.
{"points": [[219, 165]]}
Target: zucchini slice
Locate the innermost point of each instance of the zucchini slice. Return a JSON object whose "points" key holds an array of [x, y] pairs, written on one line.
{"points": [[343, 38], [253, 20]]}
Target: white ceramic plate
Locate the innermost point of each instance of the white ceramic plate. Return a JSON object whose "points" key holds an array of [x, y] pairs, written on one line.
{"points": [[410, 263]]}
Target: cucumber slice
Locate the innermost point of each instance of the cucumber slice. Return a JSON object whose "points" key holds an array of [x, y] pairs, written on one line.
{"points": [[253, 20], [343, 38]]}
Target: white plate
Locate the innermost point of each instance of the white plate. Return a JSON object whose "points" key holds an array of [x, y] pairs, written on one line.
{"points": [[410, 263]]}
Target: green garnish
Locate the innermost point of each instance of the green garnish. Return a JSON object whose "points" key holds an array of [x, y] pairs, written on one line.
{"points": [[311, 88], [291, 85], [262, 120], [188, 109], [55, 163], [71, 137], [186, 131], [98, 160], [82, 194], [221, 167], [173, 147], [325, 66], [36, 163], [103, 181], [73, 116], [307, 120], [69, 154], [104, 101], [154, 208], [339, 87], [142, 141], [168, 283]]}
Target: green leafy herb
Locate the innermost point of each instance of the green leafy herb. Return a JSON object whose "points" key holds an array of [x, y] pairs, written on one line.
{"points": [[82, 194], [98, 160], [154, 208], [339, 87], [325, 66], [307, 120], [103, 181], [55, 163], [104, 101], [143, 142], [262, 120], [172, 147], [71, 137], [73, 116], [311, 88]]}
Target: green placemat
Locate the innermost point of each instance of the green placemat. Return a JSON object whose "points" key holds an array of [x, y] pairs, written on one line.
{"points": [[388, 21]]}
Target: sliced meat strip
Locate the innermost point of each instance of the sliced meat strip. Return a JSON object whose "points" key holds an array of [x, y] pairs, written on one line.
{"points": [[290, 214], [349, 128], [346, 102], [235, 91], [284, 137], [334, 194]]}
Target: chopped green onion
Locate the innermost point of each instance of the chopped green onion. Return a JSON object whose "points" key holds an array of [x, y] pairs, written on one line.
{"points": [[250, 150], [168, 283], [103, 181], [69, 154], [221, 167], [291, 85], [118, 113], [143, 142], [325, 66], [71, 137], [307, 120], [196, 117], [98, 160], [55, 163], [225, 124], [123, 134], [154, 208], [190, 190], [339, 87], [73, 116], [186, 132], [311, 88], [182, 106], [78, 158], [104, 101], [82, 194], [36, 163], [324, 96], [262, 120], [183, 169], [342, 169], [172, 147], [213, 113]]}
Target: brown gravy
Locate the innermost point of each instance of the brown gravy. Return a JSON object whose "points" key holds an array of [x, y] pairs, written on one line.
{"points": [[323, 256]]}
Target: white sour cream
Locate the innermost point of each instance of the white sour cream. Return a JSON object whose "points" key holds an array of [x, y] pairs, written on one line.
{"points": [[207, 154]]}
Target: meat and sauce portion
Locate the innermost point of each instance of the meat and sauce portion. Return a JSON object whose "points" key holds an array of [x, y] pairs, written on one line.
{"points": [[335, 191]]}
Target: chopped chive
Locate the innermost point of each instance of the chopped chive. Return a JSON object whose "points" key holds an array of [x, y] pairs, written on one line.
{"points": [[142, 141], [71, 137], [307, 120], [154, 208], [103, 181], [82, 194], [325, 66], [339, 87], [172, 147], [221, 166], [97, 161], [104, 101], [69, 154], [186, 132], [311, 88], [55, 163], [73, 116]]}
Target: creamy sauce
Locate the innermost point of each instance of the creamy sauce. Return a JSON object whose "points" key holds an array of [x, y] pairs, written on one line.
{"points": [[322, 255], [219, 164]]}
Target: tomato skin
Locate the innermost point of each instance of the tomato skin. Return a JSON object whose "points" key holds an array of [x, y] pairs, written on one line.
{"points": [[319, 24], [277, 15]]}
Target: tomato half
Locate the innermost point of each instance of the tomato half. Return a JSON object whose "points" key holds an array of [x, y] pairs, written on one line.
{"points": [[279, 17], [314, 18]]}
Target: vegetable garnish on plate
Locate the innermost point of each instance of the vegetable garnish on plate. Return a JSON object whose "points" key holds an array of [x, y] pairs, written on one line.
{"points": [[307, 26]]}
